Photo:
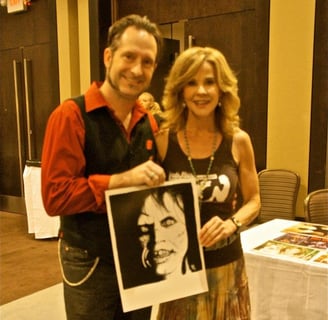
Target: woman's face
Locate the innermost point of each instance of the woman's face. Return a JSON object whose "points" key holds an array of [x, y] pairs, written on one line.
{"points": [[201, 94], [146, 100], [167, 226]]}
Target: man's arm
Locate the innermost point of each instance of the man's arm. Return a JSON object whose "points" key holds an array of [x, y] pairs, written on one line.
{"points": [[65, 190]]}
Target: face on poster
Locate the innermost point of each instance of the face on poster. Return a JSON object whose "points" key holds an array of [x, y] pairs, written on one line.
{"points": [[154, 233]]}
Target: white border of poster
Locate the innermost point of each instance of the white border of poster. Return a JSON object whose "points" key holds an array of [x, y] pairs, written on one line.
{"points": [[139, 285]]}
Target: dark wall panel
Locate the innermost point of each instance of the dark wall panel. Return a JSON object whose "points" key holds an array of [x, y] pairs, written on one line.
{"points": [[99, 22], [172, 10], [319, 111], [240, 29]]}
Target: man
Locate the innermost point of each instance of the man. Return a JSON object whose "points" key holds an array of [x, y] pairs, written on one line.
{"points": [[99, 141]]}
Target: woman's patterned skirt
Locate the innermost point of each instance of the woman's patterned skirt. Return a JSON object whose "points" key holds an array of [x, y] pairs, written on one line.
{"points": [[227, 298]]}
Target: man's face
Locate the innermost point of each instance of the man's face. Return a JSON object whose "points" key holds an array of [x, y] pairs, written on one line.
{"points": [[168, 225], [131, 67]]}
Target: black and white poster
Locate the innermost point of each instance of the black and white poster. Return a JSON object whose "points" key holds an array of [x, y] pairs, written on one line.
{"points": [[154, 236]]}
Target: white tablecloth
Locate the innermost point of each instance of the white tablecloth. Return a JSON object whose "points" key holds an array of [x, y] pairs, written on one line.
{"points": [[39, 223], [283, 288]]}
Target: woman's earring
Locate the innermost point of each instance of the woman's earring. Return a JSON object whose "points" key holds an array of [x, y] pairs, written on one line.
{"points": [[183, 105], [144, 258], [220, 104]]}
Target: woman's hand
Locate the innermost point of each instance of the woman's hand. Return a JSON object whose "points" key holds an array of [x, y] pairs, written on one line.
{"points": [[215, 230]]}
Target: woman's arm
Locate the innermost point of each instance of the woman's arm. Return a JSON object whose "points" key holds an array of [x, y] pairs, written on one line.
{"points": [[217, 229], [242, 150], [162, 141]]}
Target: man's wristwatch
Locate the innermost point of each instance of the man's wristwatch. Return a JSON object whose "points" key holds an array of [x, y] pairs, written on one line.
{"points": [[237, 223]]}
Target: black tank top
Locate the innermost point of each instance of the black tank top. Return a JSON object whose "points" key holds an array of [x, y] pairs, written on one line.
{"points": [[220, 194]]}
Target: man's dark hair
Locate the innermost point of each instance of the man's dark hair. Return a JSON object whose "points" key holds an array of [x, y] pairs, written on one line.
{"points": [[141, 23]]}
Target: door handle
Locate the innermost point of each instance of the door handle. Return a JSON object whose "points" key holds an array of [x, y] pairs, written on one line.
{"points": [[190, 41], [16, 66], [27, 64]]}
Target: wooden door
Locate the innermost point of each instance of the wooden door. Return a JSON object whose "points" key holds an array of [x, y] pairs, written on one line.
{"points": [[171, 49], [43, 87], [11, 91], [29, 91]]}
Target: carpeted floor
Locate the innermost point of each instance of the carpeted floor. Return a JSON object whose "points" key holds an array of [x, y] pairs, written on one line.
{"points": [[27, 265]]}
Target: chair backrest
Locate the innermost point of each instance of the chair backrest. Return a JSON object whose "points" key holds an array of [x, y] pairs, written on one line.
{"points": [[316, 206], [278, 191]]}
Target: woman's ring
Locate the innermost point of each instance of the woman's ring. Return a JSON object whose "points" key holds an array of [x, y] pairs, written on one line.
{"points": [[152, 175]]}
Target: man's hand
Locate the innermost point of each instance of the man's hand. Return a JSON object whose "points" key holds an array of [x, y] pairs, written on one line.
{"points": [[148, 173]]}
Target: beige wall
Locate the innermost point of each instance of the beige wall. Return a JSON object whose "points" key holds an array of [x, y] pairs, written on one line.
{"points": [[289, 92], [73, 47]]}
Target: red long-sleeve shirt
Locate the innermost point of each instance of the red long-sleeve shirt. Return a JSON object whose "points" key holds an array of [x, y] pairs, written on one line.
{"points": [[65, 189]]}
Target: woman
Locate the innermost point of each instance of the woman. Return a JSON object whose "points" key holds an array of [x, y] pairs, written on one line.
{"points": [[164, 233], [148, 101], [201, 137]]}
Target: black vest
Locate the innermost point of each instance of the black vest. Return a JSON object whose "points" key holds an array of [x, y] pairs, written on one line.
{"points": [[106, 151], [176, 165]]}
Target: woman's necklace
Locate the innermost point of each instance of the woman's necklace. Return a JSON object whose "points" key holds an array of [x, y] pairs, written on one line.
{"points": [[201, 182]]}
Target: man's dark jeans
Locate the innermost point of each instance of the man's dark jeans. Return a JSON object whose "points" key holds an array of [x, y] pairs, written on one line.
{"points": [[90, 287]]}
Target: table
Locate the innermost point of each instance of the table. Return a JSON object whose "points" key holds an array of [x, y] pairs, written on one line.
{"points": [[38, 222], [285, 281]]}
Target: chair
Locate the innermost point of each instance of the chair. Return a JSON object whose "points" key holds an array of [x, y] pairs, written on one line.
{"points": [[278, 191], [316, 206]]}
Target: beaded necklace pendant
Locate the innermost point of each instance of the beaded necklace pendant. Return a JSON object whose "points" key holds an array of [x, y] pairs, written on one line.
{"points": [[200, 182]]}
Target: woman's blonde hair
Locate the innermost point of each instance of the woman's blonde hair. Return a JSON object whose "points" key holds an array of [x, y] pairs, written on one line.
{"points": [[183, 70]]}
